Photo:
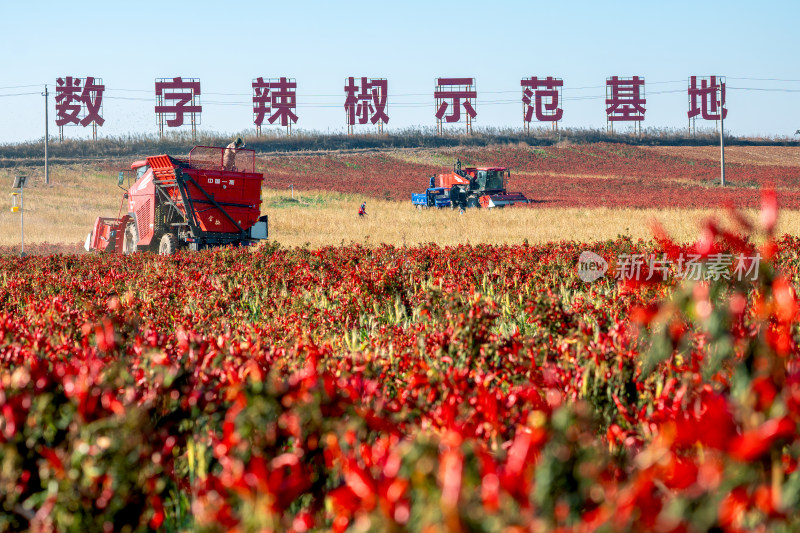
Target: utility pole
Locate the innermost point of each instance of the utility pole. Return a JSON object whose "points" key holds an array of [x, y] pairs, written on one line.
{"points": [[46, 137], [721, 136]]}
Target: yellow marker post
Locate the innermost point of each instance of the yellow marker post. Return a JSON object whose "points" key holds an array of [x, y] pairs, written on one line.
{"points": [[19, 183], [16, 202]]}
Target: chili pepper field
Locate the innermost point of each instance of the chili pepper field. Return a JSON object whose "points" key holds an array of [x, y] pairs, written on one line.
{"points": [[386, 388]]}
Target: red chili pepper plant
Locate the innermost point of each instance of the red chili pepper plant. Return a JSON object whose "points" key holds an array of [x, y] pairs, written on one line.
{"points": [[425, 388]]}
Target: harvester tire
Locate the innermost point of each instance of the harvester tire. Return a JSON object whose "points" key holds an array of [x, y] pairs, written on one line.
{"points": [[168, 245], [472, 201], [130, 240]]}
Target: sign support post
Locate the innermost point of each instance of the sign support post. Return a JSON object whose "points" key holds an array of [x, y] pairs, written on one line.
{"points": [[721, 137]]}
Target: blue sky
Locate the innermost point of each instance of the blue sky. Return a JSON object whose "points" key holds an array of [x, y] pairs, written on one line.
{"points": [[227, 44]]}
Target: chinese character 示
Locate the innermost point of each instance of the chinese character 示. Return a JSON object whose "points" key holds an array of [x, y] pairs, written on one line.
{"points": [[708, 107], [541, 97], [185, 94], [625, 100], [455, 89], [79, 105], [366, 102], [276, 98]]}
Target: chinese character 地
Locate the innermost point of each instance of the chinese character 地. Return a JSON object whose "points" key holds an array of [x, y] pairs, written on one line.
{"points": [[366, 102], [709, 105]]}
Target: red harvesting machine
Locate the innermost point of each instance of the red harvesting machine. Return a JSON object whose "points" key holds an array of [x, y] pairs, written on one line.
{"points": [[469, 187], [211, 199]]}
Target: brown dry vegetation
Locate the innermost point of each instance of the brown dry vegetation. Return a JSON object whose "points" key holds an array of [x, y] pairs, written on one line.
{"points": [[64, 211], [785, 156]]}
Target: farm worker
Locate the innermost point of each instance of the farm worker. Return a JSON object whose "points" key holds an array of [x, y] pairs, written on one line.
{"points": [[433, 182], [229, 158], [362, 210]]}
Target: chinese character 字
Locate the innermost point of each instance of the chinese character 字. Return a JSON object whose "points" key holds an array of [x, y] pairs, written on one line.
{"points": [[185, 95], [449, 93], [275, 98], [79, 105], [625, 101], [365, 102], [707, 94], [541, 98]]}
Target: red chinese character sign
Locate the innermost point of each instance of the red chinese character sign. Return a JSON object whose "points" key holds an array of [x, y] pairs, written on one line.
{"points": [[365, 102], [79, 102], [706, 99], [176, 98], [541, 99], [275, 99], [450, 95], [625, 101]]}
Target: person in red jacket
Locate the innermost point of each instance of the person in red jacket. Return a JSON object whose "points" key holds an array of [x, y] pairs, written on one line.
{"points": [[362, 210]]}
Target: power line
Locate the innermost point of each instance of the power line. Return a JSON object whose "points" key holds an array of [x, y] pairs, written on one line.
{"points": [[763, 89], [20, 86], [764, 79]]}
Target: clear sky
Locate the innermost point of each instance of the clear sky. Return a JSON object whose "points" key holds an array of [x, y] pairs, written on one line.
{"points": [[227, 44]]}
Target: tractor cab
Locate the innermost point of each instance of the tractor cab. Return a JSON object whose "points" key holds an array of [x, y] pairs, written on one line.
{"points": [[140, 167], [487, 179]]}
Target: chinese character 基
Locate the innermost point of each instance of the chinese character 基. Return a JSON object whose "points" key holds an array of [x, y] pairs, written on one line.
{"points": [[366, 102], [625, 100], [449, 94], [540, 98], [175, 98], [275, 99]]}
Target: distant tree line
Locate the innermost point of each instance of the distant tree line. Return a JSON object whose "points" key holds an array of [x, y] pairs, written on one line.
{"points": [[304, 141]]}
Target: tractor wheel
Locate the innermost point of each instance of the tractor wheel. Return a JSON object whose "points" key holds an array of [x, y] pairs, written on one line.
{"points": [[472, 201], [168, 245], [130, 240]]}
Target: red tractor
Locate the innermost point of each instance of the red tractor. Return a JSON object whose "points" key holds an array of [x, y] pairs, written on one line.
{"points": [[213, 198], [469, 187]]}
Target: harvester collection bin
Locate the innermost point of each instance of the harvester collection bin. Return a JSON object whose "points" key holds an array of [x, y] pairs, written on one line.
{"points": [[213, 198]]}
